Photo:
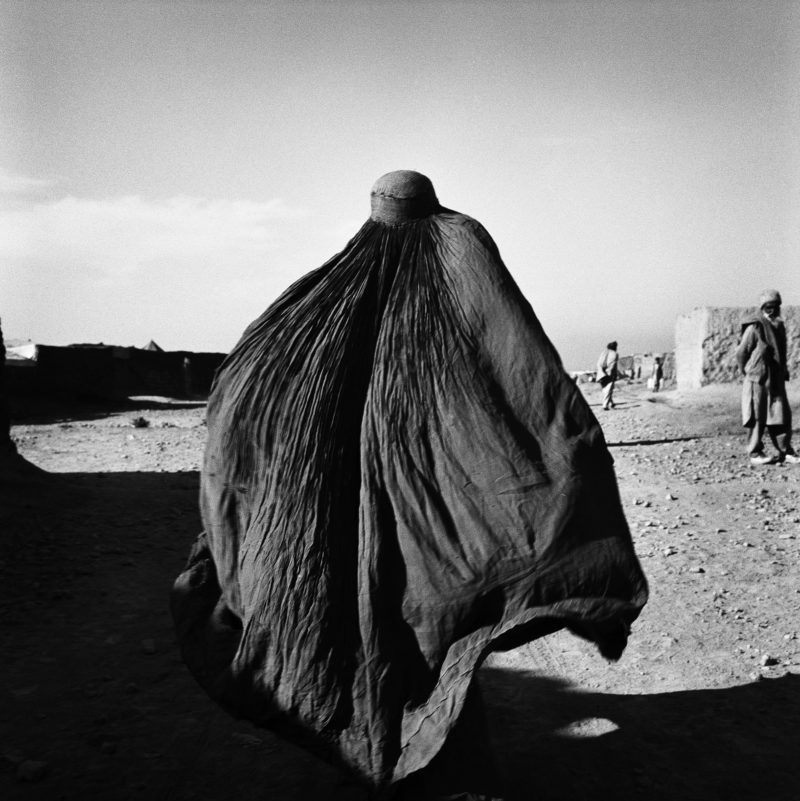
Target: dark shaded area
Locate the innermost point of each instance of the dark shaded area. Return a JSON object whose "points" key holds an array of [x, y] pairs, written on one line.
{"points": [[39, 410], [91, 682], [106, 372], [740, 742], [710, 745], [86, 561]]}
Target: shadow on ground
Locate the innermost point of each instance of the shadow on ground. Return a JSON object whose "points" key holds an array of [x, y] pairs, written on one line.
{"points": [[92, 686], [43, 410], [720, 744], [632, 442]]}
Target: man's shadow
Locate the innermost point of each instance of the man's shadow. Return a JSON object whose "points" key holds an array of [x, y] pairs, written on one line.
{"points": [[551, 742]]}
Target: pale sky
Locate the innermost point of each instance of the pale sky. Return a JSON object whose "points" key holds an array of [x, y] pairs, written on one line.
{"points": [[168, 168]]}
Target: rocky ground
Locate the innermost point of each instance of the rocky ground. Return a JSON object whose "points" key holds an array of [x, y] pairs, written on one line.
{"points": [[705, 703]]}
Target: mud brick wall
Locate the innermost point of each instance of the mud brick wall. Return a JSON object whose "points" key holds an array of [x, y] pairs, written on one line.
{"points": [[109, 372], [84, 373], [706, 341]]}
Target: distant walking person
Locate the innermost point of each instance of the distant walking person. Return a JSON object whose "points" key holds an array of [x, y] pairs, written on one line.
{"points": [[607, 373], [657, 376], [762, 358]]}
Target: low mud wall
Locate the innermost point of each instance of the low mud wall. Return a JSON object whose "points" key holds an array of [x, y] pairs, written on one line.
{"points": [[112, 373], [706, 340]]}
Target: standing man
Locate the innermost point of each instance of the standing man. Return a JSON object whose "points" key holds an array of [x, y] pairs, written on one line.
{"points": [[607, 373], [762, 358]]}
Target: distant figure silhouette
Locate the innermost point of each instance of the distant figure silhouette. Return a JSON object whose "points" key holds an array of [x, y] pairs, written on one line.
{"points": [[657, 375], [607, 373]]}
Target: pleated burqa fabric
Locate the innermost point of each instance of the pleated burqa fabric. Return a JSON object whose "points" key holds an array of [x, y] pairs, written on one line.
{"points": [[399, 477]]}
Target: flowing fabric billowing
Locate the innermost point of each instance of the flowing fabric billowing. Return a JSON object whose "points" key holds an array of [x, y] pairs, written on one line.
{"points": [[399, 478]]}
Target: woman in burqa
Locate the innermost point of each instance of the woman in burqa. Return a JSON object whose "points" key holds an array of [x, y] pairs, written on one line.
{"points": [[399, 478]]}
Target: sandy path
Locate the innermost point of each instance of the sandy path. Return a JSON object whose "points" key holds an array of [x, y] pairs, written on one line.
{"points": [[704, 704]]}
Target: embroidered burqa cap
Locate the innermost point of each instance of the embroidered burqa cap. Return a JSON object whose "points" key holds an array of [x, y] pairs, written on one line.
{"points": [[399, 478]]}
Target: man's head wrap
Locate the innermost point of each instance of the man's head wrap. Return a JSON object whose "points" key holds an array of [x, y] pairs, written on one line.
{"points": [[769, 296]]}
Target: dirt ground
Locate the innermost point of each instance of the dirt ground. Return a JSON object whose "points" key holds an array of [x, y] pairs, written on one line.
{"points": [[95, 702]]}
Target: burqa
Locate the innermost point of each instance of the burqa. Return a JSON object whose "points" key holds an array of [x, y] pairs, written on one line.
{"points": [[399, 478]]}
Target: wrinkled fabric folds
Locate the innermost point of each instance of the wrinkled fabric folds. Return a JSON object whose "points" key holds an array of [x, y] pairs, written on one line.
{"points": [[399, 477]]}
